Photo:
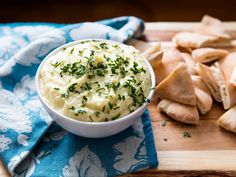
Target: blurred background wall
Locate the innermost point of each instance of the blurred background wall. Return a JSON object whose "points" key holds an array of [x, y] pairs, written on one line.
{"points": [[70, 11]]}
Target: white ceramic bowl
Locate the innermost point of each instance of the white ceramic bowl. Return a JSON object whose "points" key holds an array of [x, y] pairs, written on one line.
{"points": [[93, 129]]}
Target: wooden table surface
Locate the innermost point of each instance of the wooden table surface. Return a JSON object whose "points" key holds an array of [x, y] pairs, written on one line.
{"points": [[211, 151]]}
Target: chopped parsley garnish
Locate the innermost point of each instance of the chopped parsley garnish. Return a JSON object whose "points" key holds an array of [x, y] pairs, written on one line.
{"points": [[137, 70], [77, 111], [56, 88], [86, 86], [71, 88], [186, 134], [115, 117], [56, 64], [72, 50], [103, 45], [110, 105], [97, 114], [65, 95], [117, 107]]}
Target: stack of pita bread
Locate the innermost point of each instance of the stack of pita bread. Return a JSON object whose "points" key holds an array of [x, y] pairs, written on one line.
{"points": [[194, 73]]}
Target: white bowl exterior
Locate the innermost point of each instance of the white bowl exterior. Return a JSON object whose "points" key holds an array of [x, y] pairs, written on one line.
{"points": [[94, 129]]}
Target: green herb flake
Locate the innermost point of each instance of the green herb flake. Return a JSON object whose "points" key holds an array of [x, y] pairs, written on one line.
{"points": [[115, 117], [97, 114], [56, 64], [186, 134], [56, 88], [72, 88], [110, 105], [117, 107], [80, 111], [72, 50], [65, 95], [103, 45]]}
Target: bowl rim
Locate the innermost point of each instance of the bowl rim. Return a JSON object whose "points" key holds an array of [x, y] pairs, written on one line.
{"points": [[128, 116]]}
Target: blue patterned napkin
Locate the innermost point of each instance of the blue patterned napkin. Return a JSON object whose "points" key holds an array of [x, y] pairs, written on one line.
{"points": [[30, 143]]}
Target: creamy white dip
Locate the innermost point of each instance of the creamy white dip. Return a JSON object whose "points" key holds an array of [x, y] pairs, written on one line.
{"points": [[95, 81]]}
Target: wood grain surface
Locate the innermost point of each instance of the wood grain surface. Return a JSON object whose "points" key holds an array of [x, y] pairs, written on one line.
{"points": [[210, 152]]}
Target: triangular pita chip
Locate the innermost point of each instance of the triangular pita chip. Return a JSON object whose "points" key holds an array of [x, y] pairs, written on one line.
{"points": [[177, 86], [228, 120], [213, 26], [171, 58], [206, 55], [189, 62], [180, 112], [193, 40]]}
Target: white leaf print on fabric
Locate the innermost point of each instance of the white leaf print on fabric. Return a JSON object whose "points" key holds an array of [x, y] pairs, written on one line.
{"points": [[55, 136], [6, 69], [16, 160], [25, 88], [27, 166], [26, 92], [22, 139], [96, 31], [84, 163], [32, 32], [4, 143], [40, 47], [13, 115], [131, 152], [9, 45]]}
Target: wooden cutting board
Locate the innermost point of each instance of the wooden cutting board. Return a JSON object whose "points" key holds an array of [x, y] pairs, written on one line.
{"points": [[211, 151]]}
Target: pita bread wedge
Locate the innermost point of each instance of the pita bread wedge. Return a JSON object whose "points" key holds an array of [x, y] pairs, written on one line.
{"points": [[228, 120], [193, 40], [190, 63], [204, 99], [155, 58], [138, 44], [151, 50], [180, 112], [171, 58], [177, 86], [213, 26], [222, 72], [206, 55], [206, 75]]}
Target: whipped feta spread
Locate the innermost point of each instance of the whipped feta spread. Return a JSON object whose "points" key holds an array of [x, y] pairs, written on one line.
{"points": [[95, 80]]}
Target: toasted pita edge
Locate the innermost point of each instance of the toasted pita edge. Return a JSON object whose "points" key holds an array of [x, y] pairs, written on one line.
{"points": [[206, 75], [220, 80], [204, 101], [179, 112], [183, 94], [228, 120], [206, 55]]}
